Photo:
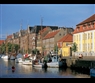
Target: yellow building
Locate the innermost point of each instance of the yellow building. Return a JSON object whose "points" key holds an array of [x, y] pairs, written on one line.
{"points": [[64, 45], [84, 36]]}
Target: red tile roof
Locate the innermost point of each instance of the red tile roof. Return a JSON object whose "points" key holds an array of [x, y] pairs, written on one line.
{"points": [[1, 41], [9, 36], [91, 18], [51, 34], [80, 29], [66, 38], [43, 30]]}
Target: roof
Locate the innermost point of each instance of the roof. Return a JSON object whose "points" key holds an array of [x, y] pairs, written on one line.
{"points": [[43, 30], [91, 18], [80, 29], [67, 38], [9, 36], [51, 34], [1, 41]]}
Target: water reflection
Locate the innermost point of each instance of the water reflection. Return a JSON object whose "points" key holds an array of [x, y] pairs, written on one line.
{"points": [[31, 72]]}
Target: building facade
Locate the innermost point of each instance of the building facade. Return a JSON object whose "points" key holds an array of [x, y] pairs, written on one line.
{"points": [[65, 44], [84, 37]]}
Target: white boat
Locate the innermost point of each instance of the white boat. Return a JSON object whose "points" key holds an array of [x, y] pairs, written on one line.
{"points": [[53, 64], [4, 56], [54, 61], [12, 57], [38, 65], [18, 60], [27, 62]]}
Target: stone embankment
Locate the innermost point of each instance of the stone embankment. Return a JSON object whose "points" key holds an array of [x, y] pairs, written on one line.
{"points": [[76, 62]]}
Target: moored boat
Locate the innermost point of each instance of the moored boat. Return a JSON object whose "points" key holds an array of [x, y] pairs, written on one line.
{"points": [[19, 58], [92, 72], [27, 62], [55, 61]]}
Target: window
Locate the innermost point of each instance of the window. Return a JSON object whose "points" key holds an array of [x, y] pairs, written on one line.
{"points": [[91, 35], [84, 26], [91, 45], [88, 25], [88, 35], [92, 25]]}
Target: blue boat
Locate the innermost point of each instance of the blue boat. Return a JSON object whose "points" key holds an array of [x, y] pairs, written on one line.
{"points": [[92, 70]]}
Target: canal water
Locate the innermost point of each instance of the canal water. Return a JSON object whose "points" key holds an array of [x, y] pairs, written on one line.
{"points": [[27, 71]]}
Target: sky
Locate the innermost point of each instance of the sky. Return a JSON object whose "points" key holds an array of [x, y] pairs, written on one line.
{"points": [[61, 15]]}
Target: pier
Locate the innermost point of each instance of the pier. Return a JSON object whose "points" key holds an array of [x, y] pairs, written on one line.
{"points": [[76, 62]]}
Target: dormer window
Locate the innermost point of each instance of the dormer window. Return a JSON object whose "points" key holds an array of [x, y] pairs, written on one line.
{"points": [[88, 25], [92, 25], [84, 26], [78, 28]]}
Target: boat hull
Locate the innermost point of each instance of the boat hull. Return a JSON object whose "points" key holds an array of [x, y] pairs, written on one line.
{"points": [[18, 60], [27, 62], [92, 72], [53, 64]]}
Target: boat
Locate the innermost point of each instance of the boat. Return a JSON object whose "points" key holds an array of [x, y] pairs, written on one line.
{"points": [[40, 65], [19, 58], [4, 56], [12, 57], [27, 62], [54, 61], [92, 70]]}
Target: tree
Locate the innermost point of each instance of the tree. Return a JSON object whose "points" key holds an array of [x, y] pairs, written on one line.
{"points": [[74, 47], [35, 51], [55, 48], [16, 47], [3, 48]]}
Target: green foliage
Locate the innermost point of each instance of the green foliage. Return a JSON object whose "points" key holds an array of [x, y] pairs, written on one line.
{"points": [[35, 51], [3, 48], [9, 48], [74, 47], [55, 48]]}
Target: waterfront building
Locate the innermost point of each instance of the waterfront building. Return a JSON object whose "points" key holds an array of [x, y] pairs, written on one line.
{"points": [[84, 37], [65, 44], [50, 40]]}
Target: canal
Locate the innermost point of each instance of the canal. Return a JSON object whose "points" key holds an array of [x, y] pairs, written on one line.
{"points": [[27, 71]]}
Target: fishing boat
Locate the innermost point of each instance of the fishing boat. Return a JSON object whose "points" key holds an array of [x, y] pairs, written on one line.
{"points": [[54, 61]]}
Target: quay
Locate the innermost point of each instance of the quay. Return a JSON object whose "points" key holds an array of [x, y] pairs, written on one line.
{"points": [[80, 63]]}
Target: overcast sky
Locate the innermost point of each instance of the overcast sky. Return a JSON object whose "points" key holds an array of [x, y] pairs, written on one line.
{"points": [[68, 15]]}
